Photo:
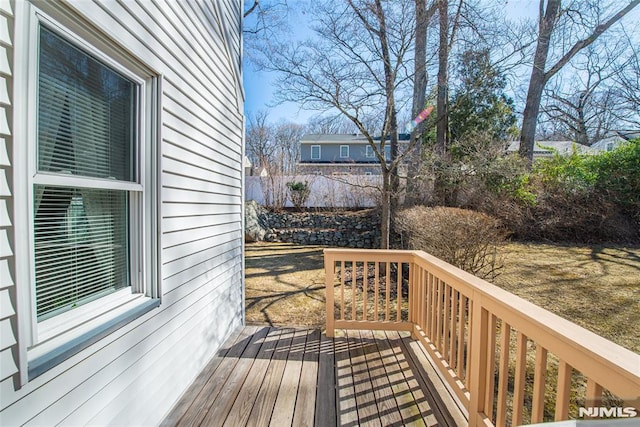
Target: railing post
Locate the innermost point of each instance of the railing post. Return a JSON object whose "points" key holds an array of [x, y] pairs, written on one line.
{"points": [[478, 376], [329, 276]]}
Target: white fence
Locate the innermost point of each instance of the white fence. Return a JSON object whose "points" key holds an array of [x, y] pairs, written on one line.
{"points": [[348, 191]]}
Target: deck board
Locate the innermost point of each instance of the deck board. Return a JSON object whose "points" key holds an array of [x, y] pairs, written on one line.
{"points": [[299, 377]]}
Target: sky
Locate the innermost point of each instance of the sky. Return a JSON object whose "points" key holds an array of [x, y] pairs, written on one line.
{"points": [[259, 88]]}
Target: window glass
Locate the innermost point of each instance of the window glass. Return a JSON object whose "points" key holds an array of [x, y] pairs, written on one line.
{"points": [[368, 150], [86, 114], [344, 151], [315, 151]]}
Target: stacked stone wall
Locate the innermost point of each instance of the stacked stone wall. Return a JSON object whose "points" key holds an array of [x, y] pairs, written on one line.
{"points": [[359, 229]]}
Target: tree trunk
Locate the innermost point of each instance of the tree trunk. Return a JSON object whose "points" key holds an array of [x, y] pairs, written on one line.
{"points": [[420, 77], [443, 77], [393, 191], [538, 79], [385, 210]]}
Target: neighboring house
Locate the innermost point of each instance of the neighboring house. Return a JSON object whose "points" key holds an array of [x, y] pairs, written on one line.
{"points": [[248, 166], [341, 154], [612, 142], [121, 170], [545, 149]]}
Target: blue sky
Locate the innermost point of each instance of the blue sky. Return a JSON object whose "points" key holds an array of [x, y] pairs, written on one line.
{"points": [[258, 84]]}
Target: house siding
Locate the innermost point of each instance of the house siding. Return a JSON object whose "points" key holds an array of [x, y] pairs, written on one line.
{"points": [[9, 361], [331, 153], [135, 374]]}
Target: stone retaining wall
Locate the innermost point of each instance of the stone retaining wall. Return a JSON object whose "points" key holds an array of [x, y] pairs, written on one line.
{"points": [[349, 229]]}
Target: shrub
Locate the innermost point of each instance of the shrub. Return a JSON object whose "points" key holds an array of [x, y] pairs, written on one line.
{"points": [[464, 238], [618, 176], [299, 193]]}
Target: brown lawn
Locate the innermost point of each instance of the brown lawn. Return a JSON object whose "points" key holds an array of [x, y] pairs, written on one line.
{"points": [[597, 287]]}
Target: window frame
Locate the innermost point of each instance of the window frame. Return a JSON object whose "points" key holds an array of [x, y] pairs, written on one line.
{"points": [[319, 152], [46, 344], [368, 151], [345, 156]]}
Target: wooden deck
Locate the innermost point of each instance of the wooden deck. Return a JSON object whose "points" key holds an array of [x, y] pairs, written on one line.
{"points": [[298, 377]]}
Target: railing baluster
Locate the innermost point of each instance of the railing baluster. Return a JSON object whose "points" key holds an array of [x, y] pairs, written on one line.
{"points": [[387, 281], [503, 374], [376, 286], [342, 284], [423, 299], [431, 318], [539, 381], [563, 392], [491, 366], [439, 314], [461, 334], [521, 365], [365, 284], [454, 328], [354, 275], [594, 393], [470, 344], [446, 321], [399, 292]]}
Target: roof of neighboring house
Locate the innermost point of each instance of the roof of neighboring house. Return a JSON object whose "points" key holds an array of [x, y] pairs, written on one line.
{"points": [[343, 138], [548, 147]]}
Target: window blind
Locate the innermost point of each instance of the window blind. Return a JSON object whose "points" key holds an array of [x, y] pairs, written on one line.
{"points": [[81, 248]]}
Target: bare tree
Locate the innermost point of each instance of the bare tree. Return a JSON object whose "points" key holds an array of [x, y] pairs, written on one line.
{"points": [[584, 101], [627, 82], [582, 18], [330, 124], [356, 66], [259, 139], [287, 146]]}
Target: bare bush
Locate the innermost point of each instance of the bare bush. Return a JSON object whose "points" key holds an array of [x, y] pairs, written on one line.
{"points": [[466, 239]]}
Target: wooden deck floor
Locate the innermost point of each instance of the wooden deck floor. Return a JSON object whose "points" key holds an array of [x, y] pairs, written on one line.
{"points": [[298, 377]]}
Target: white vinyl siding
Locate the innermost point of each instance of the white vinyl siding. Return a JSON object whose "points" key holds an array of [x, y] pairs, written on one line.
{"points": [[195, 47], [344, 151], [316, 152], [9, 370]]}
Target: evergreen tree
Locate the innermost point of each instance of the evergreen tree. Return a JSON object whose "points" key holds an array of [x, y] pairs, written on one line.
{"points": [[480, 105]]}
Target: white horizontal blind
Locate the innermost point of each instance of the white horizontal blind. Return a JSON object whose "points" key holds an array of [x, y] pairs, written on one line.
{"points": [[86, 128], [81, 247]]}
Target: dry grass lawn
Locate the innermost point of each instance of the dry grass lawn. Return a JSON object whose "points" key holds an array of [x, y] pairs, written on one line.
{"points": [[284, 284], [596, 287]]}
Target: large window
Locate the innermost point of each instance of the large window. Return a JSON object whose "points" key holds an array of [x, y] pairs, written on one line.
{"points": [[86, 148], [91, 179]]}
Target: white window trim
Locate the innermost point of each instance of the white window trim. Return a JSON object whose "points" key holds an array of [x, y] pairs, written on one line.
{"points": [[347, 154], [368, 151], [45, 345], [319, 152]]}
